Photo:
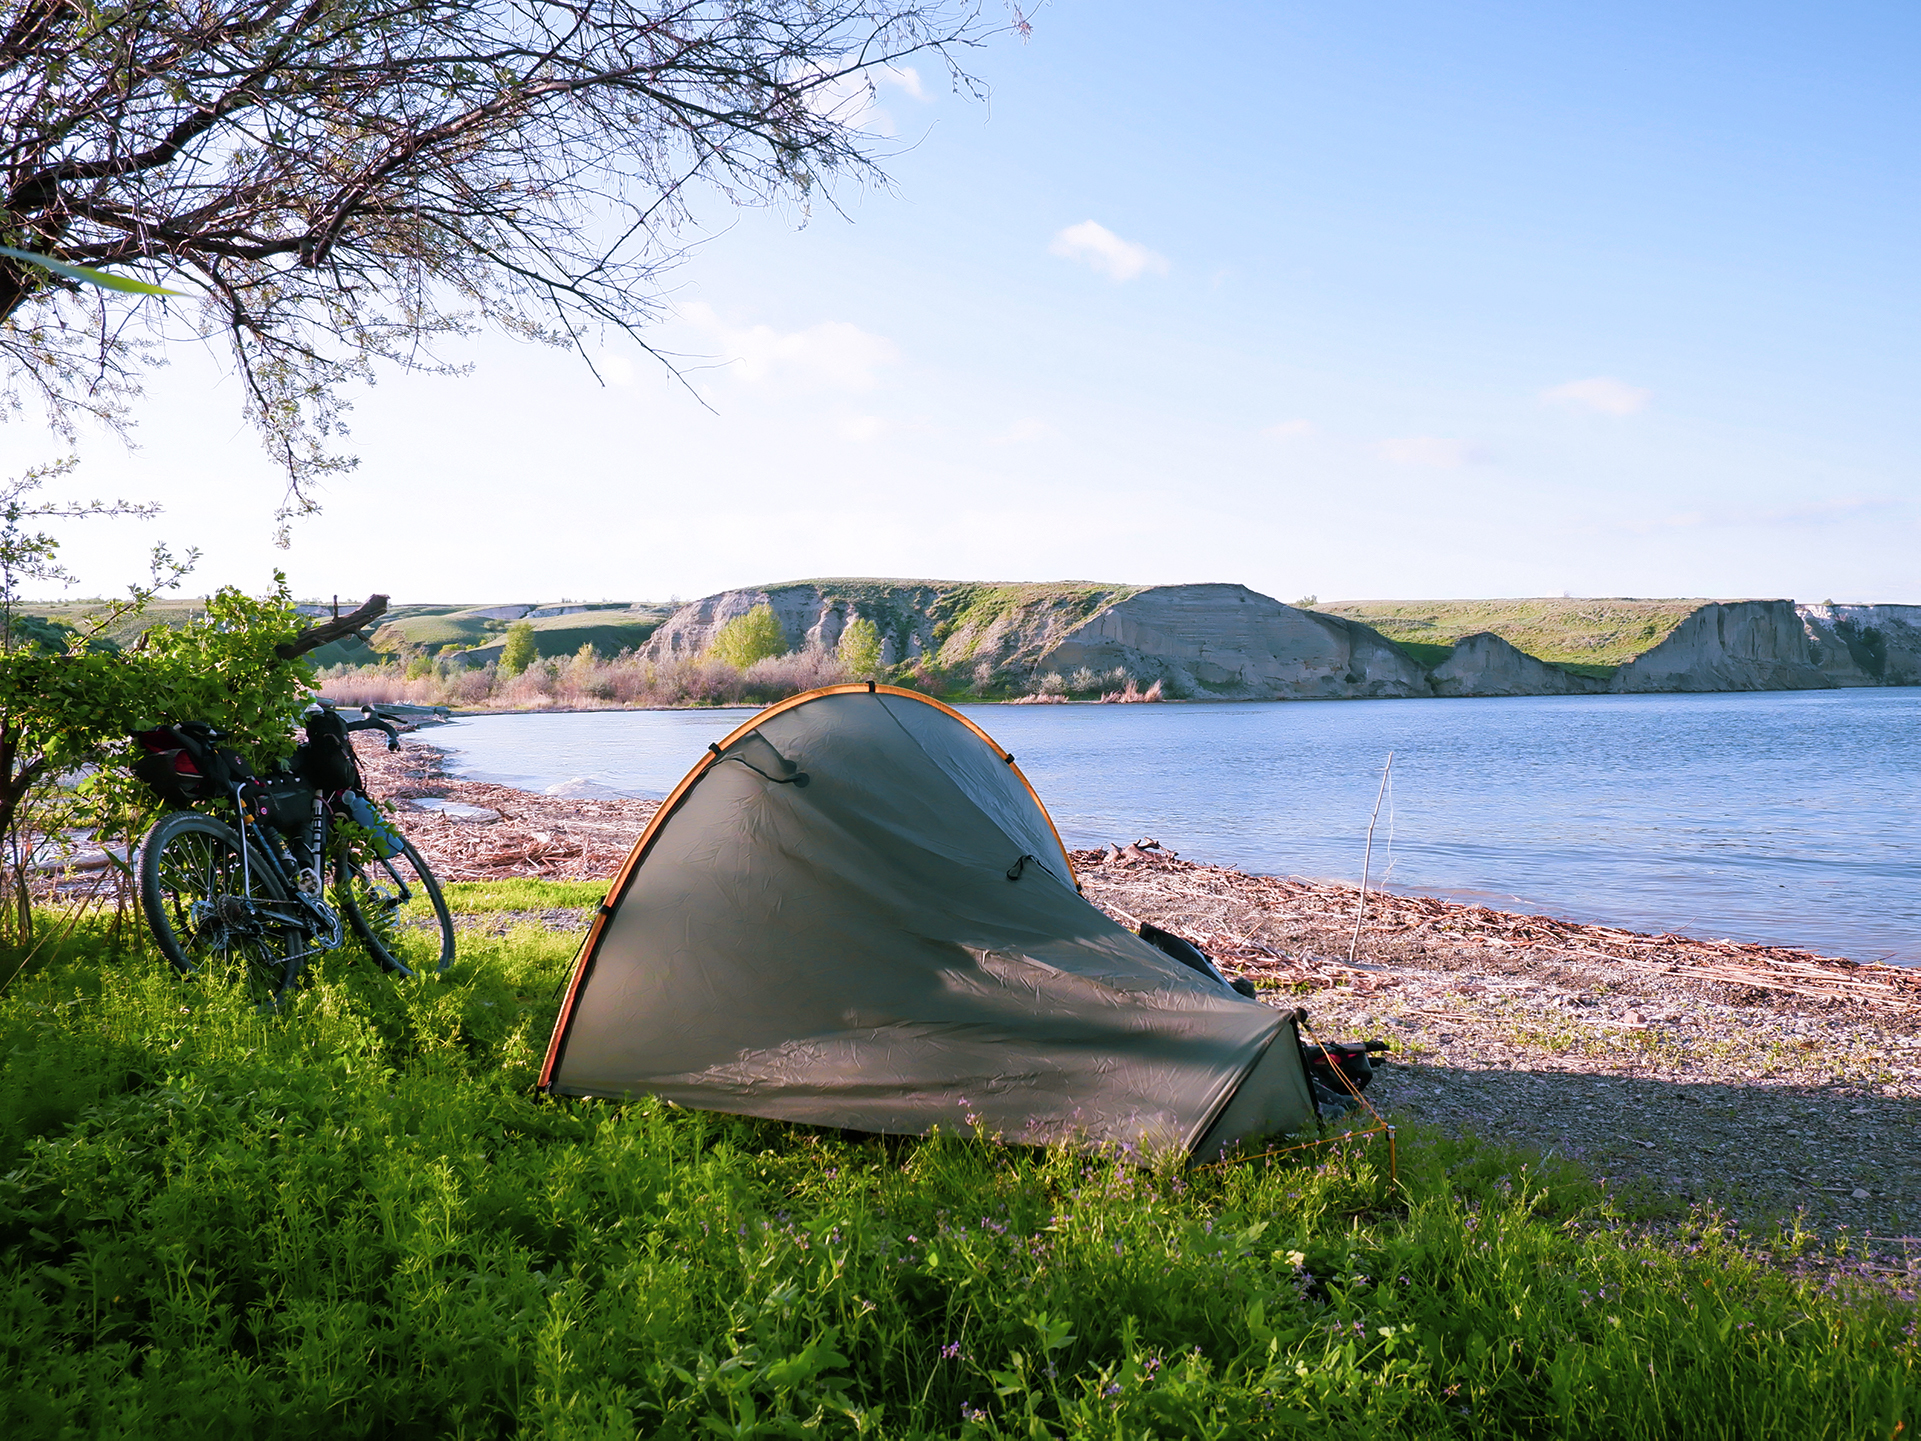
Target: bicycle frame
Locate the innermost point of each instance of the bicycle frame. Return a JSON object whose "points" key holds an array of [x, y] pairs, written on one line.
{"points": [[320, 921]]}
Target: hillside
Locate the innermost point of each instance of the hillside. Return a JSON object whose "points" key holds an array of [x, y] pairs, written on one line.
{"points": [[1590, 637], [476, 633], [942, 625], [473, 632]]}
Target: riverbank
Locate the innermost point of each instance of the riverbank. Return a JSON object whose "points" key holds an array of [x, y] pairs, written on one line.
{"points": [[1762, 1081]]}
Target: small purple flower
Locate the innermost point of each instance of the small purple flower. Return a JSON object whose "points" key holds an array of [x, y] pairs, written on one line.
{"points": [[951, 1351]]}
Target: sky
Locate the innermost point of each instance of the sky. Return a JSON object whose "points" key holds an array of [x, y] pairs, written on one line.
{"points": [[1347, 301]]}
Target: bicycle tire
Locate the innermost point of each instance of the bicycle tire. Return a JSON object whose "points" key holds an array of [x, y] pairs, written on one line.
{"points": [[196, 906], [372, 894]]}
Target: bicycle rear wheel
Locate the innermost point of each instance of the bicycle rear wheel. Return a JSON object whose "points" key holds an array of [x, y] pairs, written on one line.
{"points": [[200, 909], [395, 907]]}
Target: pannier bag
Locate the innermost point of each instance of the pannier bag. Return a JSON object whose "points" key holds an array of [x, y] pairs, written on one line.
{"points": [[282, 801], [326, 759], [183, 765], [382, 839]]}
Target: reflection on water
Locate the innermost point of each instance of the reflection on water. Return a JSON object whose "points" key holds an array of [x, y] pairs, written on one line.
{"points": [[1788, 817]]}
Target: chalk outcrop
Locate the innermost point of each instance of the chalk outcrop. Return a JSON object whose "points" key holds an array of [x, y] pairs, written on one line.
{"points": [[1729, 646], [1484, 664], [1000, 630], [1855, 645], [1226, 642]]}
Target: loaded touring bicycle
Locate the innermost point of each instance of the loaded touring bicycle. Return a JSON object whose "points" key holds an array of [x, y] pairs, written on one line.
{"points": [[263, 870]]}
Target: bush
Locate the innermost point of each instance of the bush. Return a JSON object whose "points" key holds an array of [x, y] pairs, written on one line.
{"points": [[520, 651], [860, 648], [748, 638]]}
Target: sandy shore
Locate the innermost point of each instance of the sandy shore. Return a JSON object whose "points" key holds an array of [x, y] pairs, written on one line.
{"points": [[1760, 1081]]}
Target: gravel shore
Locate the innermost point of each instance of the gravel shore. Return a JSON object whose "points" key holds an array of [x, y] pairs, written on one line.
{"points": [[1761, 1082]]}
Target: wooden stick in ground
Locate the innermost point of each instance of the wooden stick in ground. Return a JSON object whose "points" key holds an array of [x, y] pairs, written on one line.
{"points": [[1367, 857]]}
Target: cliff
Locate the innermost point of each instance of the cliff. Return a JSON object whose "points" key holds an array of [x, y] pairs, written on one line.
{"points": [[1485, 664], [1226, 642], [995, 630], [1864, 644], [1221, 642], [1723, 646]]}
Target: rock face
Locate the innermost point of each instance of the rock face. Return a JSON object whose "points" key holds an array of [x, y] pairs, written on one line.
{"points": [[1864, 644], [1484, 664], [1226, 642], [950, 624], [1725, 646]]}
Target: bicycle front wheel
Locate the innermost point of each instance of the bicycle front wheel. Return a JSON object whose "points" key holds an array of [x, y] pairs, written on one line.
{"points": [[395, 907], [203, 906]]}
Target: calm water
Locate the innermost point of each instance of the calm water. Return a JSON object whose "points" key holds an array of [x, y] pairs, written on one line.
{"points": [[1792, 818]]}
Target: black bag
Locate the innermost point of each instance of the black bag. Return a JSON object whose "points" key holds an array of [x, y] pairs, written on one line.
{"points": [[183, 764], [326, 759], [281, 800]]}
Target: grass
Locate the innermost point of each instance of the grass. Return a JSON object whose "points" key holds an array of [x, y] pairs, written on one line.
{"points": [[357, 1219], [610, 628], [1588, 637]]}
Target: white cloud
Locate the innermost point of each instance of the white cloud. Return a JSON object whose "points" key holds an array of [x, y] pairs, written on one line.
{"points": [[1291, 430], [861, 428], [907, 78], [834, 354], [853, 99], [1094, 245], [1602, 394], [615, 369], [1430, 451]]}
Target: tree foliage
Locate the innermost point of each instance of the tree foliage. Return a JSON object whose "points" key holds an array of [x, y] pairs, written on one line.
{"points": [[859, 648], [520, 651], [350, 181], [747, 638]]}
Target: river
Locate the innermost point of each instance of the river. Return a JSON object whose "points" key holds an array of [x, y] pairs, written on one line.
{"points": [[1792, 818]]}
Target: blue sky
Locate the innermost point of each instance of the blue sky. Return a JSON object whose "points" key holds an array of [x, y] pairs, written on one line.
{"points": [[1382, 300]]}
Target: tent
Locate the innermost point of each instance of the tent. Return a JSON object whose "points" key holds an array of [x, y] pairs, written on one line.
{"points": [[855, 912]]}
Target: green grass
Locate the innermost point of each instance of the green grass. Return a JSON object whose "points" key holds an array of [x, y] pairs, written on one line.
{"points": [[356, 1219], [609, 628], [523, 895], [1588, 637]]}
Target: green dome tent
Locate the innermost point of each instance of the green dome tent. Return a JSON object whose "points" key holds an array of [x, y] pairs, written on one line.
{"points": [[855, 912]]}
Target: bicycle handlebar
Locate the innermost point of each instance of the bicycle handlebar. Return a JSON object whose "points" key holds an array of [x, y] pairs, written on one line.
{"points": [[375, 723]]}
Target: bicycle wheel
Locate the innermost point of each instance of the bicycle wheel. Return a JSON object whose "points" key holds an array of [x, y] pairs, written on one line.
{"points": [[198, 908], [396, 909]]}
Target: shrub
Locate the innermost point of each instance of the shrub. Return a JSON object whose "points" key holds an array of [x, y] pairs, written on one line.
{"points": [[748, 638], [520, 651], [860, 648]]}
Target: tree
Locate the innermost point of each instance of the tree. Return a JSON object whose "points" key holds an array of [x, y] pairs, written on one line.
{"points": [[860, 648], [747, 638], [520, 651], [350, 181]]}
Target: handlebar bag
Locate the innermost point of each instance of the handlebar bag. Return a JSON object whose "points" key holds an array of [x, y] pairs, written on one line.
{"points": [[182, 764], [326, 759]]}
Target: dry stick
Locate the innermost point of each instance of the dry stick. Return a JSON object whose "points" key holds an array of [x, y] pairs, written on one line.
{"points": [[1368, 856]]}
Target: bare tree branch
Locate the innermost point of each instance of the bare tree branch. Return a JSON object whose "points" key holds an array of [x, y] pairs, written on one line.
{"points": [[355, 181], [338, 628]]}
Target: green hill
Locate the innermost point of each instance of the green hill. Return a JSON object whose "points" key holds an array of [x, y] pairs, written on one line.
{"points": [[609, 626], [1587, 636]]}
